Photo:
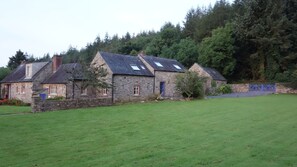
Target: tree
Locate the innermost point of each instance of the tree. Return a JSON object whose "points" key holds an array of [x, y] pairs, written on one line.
{"points": [[189, 84], [186, 52], [83, 76], [4, 72], [217, 51], [16, 60]]}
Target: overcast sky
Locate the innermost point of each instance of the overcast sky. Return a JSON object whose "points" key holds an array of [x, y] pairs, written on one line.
{"points": [[51, 26]]}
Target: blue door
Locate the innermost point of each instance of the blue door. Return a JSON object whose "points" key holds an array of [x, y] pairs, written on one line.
{"points": [[162, 88]]}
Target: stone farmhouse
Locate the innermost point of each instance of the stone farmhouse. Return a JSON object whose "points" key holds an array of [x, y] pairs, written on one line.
{"points": [[137, 78], [212, 76]]}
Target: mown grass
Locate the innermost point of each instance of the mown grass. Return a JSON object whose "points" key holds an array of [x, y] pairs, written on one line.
{"points": [[6, 109], [258, 131]]}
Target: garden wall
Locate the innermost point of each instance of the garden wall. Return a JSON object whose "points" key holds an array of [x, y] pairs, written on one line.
{"points": [[279, 88], [38, 105]]}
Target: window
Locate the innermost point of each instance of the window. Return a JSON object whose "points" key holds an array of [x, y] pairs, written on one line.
{"points": [[158, 64], [104, 91], [23, 89], [135, 67], [177, 66], [136, 90], [142, 67], [53, 89], [17, 90], [83, 91], [28, 71]]}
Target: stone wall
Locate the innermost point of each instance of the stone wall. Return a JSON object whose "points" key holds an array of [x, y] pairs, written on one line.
{"points": [[38, 105], [123, 89], [169, 78], [240, 88], [284, 88]]}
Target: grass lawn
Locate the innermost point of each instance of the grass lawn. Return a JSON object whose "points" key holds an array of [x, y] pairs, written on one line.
{"points": [[257, 131], [5, 109]]}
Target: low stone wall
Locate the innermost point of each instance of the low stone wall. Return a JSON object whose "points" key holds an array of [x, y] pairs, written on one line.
{"points": [[240, 88], [282, 88], [38, 105]]}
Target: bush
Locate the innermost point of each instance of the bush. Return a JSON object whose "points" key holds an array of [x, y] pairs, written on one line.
{"points": [[14, 102], [189, 85], [224, 89]]}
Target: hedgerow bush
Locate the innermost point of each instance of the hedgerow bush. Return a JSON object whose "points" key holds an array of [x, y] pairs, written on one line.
{"points": [[224, 89]]}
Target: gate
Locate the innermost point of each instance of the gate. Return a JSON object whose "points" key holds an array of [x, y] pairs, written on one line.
{"points": [[262, 87]]}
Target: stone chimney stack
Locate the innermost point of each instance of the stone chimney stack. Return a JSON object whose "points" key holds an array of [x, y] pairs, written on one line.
{"points": [[57, 61]]}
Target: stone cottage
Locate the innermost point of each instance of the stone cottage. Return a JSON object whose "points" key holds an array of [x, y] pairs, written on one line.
{"points": [[25, 79], [212, 76], [65, 81], [130, 78], [164, 71]]}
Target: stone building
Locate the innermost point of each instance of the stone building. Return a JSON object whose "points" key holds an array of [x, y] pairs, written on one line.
{"points": [[65, 81], [212, 76], [24, 80], [130, 78], [164, 71]]}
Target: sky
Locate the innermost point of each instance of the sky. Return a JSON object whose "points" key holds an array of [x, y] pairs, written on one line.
{"points": [[38, 27]]}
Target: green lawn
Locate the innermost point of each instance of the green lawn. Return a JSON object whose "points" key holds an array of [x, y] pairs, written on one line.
{"points": [[258, 131], [5, 109]]}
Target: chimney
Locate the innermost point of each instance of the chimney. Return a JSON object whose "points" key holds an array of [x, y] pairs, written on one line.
{"points": [[57, 61]]}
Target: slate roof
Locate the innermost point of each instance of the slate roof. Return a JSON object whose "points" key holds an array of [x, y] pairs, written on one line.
{"points": [[121, 64], [214, 74], [64, 72], [19, 74], [168, 64]]}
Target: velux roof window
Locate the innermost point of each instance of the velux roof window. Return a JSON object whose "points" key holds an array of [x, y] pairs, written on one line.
{"points": [[142, 67], [177, 66], [134, 67], [158, 64]]}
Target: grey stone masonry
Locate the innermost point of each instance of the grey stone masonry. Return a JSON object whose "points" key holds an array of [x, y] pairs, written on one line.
{"points": [[38, 105]]}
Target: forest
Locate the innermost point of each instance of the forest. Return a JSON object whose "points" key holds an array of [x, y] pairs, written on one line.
{"points": [[247, 41]]}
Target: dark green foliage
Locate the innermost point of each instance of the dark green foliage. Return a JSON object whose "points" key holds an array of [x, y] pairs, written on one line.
{"points": [[4, 72], [189, 84], [17, 59], [217, 51], [224, 89]]}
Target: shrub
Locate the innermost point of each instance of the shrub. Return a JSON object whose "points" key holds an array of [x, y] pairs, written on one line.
{"points": [[14, 102], [189, 84], [224, 89]]}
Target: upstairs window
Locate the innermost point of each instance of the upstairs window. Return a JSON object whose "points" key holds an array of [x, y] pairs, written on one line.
{"points": [[135, 67], [177, 66], [158, 64], [136, 90], [28, 71]]}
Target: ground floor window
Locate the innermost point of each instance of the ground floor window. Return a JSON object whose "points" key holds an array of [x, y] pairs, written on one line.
{"points": [[136, 90], [23, 89], [52, 89], [83, 91]]}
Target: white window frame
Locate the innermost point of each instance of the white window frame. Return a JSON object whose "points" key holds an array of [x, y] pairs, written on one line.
{"points": [[50, 89], [104, 91], [136, 90]]}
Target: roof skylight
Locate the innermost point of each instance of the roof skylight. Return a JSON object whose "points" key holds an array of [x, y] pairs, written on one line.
{"points": [[142, 67], [158, 64], [177, 66], [135, 67]]}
